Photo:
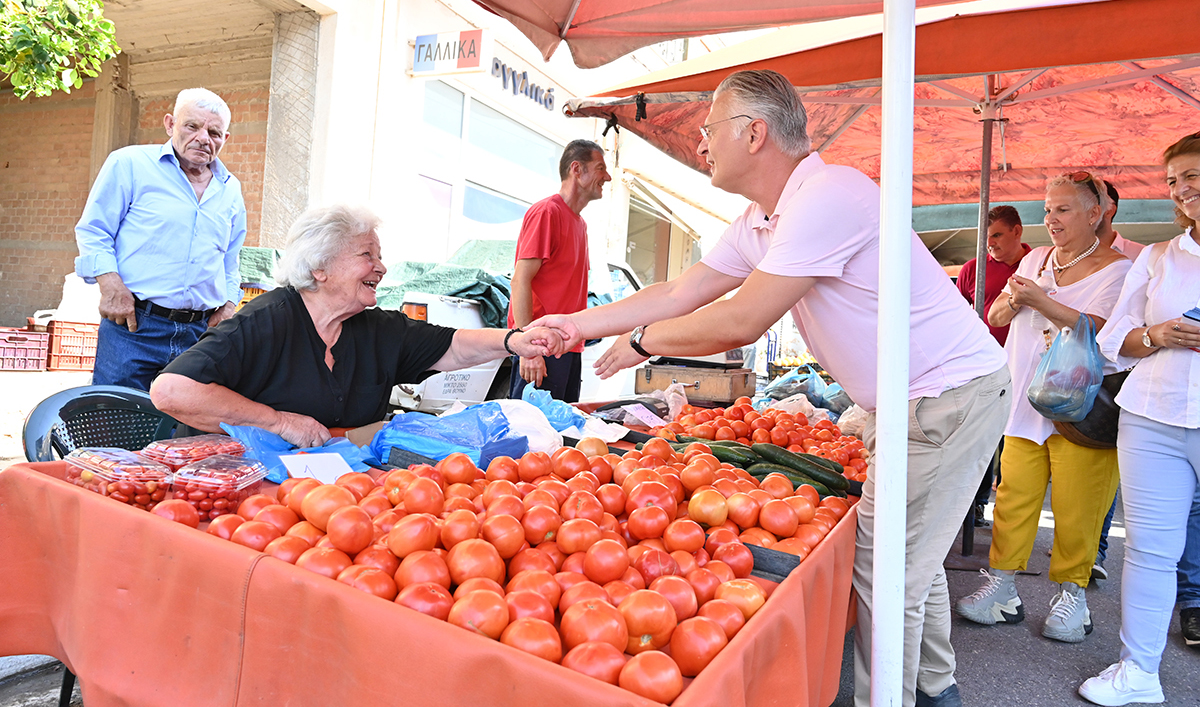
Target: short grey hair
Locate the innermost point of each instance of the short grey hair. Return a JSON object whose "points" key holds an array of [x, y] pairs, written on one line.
{"points": [[1087, 197], [204, 99], [316, 238], [768, 95]]}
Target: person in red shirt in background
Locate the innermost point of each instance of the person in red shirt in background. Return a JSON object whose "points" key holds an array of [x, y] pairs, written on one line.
{"points": [[551, 271], [1005, 251]]}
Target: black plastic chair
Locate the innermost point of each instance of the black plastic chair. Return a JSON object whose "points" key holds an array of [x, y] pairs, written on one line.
{"points": [[91, 416]]}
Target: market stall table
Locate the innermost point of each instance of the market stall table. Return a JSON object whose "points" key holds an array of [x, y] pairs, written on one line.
{"points": [[150, 612]]}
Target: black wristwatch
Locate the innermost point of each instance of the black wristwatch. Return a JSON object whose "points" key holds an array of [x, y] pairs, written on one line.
{"points": [[635, 340]]}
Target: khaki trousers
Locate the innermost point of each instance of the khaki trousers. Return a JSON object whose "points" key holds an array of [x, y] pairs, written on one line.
{"points": [[951, 439]]}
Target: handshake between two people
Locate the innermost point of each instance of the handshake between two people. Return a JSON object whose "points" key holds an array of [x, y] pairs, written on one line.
{"points": [[557, 334]]}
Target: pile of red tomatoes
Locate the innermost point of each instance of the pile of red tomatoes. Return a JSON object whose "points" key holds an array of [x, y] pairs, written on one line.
{"points": [[740, 422], [631, 569]]}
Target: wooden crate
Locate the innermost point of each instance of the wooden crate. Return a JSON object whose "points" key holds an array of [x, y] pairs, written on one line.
{"points": [[716, 385]]}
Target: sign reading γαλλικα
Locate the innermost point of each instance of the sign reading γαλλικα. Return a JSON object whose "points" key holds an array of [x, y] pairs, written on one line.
{"points": [[451, 53]]}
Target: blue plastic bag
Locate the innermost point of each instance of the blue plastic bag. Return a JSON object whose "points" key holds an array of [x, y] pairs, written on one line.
{"points": [[836, 399], [561, 415], [800, 380], [267, 447], [481, 432], [1065, 384]]}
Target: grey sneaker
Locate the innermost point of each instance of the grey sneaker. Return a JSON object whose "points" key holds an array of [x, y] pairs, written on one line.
{"points": [[996, 602], [1069, 620]]}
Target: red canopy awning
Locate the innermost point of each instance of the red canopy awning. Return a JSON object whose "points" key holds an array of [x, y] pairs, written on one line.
{"points": [[1104, 85], [599, 31]]}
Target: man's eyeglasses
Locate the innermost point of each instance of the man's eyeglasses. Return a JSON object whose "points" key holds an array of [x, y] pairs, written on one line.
{"points": [[706, 130], [1088, 177]]}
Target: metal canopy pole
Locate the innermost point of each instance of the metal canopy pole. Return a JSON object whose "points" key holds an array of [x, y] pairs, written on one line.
{"points": [[988, 112], [891, 420]]}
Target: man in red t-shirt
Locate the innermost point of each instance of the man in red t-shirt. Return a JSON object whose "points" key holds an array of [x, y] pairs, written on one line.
{"points": [[1005, 251], [551, 272]]}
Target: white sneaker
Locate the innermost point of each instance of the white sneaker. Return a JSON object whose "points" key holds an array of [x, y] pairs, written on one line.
{"points": [[1122, 683]]}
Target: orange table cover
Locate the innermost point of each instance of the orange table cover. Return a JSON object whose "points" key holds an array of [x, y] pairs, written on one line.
{"points": [[150, 612]]}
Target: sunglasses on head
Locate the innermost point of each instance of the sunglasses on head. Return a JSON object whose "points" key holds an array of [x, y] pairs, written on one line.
{"points": [[1082, 176]]}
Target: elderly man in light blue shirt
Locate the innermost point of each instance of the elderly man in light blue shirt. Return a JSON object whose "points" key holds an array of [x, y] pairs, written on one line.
{"points": [[160, 234]]}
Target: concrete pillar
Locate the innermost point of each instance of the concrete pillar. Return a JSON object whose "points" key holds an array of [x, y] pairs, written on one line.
{"points": [[289, 123], [115, 114]]}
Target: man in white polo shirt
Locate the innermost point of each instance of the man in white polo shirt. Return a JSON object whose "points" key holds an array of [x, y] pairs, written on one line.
{"points": [[810, 244]]}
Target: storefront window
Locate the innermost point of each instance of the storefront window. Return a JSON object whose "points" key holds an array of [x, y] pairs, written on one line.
{"points": [[444, 107], [426, 228], [511, 141], [649, 242], [492, 215]]}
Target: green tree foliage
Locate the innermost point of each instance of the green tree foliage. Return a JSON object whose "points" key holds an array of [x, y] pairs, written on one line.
{"points": [[49, 45]]}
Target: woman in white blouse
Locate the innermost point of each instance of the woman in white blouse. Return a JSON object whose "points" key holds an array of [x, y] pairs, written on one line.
{"points": [[1051, 288], [1158, 438]]}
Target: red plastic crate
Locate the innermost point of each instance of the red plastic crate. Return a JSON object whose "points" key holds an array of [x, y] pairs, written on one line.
{"points": [[22, 350], [72, 346]]}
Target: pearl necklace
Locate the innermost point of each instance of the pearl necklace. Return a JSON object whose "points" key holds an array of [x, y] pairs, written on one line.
{"points": [[1060, 268]]}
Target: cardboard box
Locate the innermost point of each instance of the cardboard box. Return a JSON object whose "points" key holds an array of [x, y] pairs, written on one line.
{"points": [[707, 384]]}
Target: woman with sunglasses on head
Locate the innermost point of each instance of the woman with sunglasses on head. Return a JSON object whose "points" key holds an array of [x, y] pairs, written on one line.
{"points": [[1158, 436], [1052, 286]]}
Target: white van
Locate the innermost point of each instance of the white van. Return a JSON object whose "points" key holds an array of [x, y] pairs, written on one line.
{"points": [[491, 380]]}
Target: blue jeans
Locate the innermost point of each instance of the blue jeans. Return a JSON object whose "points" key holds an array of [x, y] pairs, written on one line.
{"points": [[1102, 550], [1160, 470], [134, 359], [1187, 575]]}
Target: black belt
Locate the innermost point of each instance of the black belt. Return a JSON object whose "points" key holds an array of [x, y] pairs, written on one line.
{"points": [[181, 316]]}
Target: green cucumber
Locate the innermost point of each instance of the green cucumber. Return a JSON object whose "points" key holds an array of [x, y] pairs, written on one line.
{"points": [[737, 457], [822, 461], [804, 464]]}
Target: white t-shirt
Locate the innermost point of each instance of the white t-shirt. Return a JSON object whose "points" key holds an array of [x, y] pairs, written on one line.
{"points": [[1165, 386], [1095, 294], [826, 225]]}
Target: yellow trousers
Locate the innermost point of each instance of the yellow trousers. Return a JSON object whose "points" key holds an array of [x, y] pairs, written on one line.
{"points": [[1082, 481]]}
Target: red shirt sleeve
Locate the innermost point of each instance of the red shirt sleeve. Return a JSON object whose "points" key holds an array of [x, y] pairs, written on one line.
{"points": [[966, 280], [537, 233]]}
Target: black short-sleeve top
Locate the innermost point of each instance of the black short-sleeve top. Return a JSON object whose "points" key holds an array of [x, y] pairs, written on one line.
{"points": [[270, 352]]}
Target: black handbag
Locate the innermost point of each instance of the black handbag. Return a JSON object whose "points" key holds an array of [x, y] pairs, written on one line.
{"points": [[1098, 430]]}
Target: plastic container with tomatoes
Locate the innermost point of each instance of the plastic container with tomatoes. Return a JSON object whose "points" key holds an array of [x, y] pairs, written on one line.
{"points": [[218, 485], [178, 453], [120, 474]]}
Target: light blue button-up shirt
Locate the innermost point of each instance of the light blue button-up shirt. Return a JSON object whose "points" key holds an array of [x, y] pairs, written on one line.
{"points": [[142, 221]]}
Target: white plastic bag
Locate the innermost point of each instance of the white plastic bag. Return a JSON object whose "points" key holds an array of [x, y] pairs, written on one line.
{"points": [[796, 404], [853, 421], [595, 427], [524, 419]]}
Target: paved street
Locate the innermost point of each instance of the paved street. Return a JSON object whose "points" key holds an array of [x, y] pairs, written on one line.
{"points": [[1015, 666]]}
